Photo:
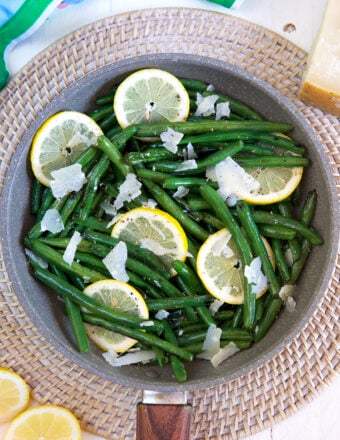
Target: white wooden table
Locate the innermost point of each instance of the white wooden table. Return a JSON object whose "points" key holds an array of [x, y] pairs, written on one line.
{"points": [[319, 419]]}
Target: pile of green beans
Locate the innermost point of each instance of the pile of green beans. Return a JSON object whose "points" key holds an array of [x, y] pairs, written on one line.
{"points": [[252, 141]]}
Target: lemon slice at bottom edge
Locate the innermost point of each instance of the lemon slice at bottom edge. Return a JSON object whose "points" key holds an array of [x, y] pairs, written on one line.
{"points": [[50, 422], [14, 395], [219, 267], [120, 296]]}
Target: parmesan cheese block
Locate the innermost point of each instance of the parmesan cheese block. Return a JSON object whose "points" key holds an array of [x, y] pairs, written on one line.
{"points": [[321, 81]]}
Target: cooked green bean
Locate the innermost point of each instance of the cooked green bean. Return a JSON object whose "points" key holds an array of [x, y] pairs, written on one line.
{"points": [[201, 164], [186, 182], [101, 113], [140, 335], [74, 315], [36, 196], [299, 264], [272, 161], [276, 219], [92, 185], [189, 277], [177, 365], [139, 282], [105, 99], [93, 223], [269, 316], [280, 260], [277, 231], [206, 126], [285, 209], [243, 247], [308, 208], [153, 176], [109, 121], [149, 156], [245, 215], [306, 216], [238, 317], [177, 302], [197, 204], [111, 149]]}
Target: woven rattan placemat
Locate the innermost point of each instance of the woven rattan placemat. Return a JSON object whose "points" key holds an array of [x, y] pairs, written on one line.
{"points": [[247, 404]]}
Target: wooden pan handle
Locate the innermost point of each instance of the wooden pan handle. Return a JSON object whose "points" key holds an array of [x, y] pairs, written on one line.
{"points": [[163, 422]]}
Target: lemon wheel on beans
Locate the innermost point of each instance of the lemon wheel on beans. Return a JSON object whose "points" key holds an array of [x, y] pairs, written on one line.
{"points": [[120, 296], [219, 267], [150, 95], [59, 141]]}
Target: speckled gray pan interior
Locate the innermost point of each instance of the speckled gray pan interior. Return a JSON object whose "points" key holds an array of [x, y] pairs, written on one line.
{"points": [[46, 311]]}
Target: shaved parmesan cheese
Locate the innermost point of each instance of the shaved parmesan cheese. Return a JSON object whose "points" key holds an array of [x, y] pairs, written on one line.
{"points": [[190, 164], [171, 139], [210, 88], [147, 324], [115, 262], [108, 208], [150, 203], [255, 276], [162, 314], [286, 294], [205, 105], [42, 263], [181, 192], [129, 358], [51, 221], [71, 248], [224, 353], [128, 190], [286, 291], [290, 304], [211, 343], [215, 306], [221, 248], [222, 110], [190, 152], [66, 180], [110, 355], [232, 179]]}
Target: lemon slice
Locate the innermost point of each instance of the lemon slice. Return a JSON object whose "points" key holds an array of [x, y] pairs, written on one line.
{"points": [[48, 422], [219, 267], [150, 95], [123, 297], [14, 395], [276, 184], [155, 230], [59, 141]]}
